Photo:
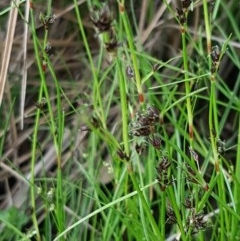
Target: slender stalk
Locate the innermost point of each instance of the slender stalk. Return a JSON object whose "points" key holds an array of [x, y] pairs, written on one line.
{"points": [[236, 188], [35, 132], [175, 207], [213, 124], [190, 125], [127, 151], [132, 50], [187, 84], [147, 209], [57, 132], [207, 25], [124, 109], [97, 101]]}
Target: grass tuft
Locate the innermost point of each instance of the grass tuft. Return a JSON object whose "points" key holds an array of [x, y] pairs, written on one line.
{"points": [[131, 120]]}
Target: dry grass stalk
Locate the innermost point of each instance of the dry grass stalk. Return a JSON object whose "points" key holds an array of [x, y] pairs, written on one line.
{"points": [[8, 47], [24, 69]]}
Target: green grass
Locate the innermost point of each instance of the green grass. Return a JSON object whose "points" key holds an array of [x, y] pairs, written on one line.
{"points": [[125, 137]]}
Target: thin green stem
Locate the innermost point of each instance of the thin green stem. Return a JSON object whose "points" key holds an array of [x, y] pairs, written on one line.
{"points": [[187, 84], [126, 148], [124, 109], [97, 101], [57, 131], [163, 215], [147, 209], [236, 189], [35, 132], [175, 207], [213, 123], [224, 221], [207, 25], [99, 210], [130, 40]]}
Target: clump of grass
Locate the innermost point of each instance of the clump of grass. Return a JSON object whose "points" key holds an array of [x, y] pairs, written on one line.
{"points": [[126, 146]]}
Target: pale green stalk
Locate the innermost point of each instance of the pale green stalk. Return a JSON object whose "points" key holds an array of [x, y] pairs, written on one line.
{"points": [[97, 101], [130, 40]]}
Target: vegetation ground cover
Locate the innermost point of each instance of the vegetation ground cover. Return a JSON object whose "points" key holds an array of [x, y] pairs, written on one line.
{"points": [[120, 120]]}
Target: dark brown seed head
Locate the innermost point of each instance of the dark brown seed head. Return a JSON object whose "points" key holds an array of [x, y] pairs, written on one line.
{"points": [[48, 49], [171, 216], [190, 170], [139, 149], [122, 154], [155, 141], [145, 122], [141, 131], [198, 221], [102, 19], [162, 174], [41, 104], [186, 4], [189, 203], [163, 165], [191, 174], [215, 54], [96, 122], [153, 114], [181, 16], [47, 20], [112, 46], [105, 15]]}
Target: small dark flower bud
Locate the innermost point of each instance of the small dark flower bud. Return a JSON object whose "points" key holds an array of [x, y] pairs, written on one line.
{"points": [[193, 154], [186, 4], [41, 104], [181, 16], [153, 114], [130, 72], [163, 165], [112, 46], [215, 54], [188, 203], [96, 122], [122, 154], [102, 19], [155, 141], [48, 49], [139, 149], [171, 216], [198, 222], [47, 20]]}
